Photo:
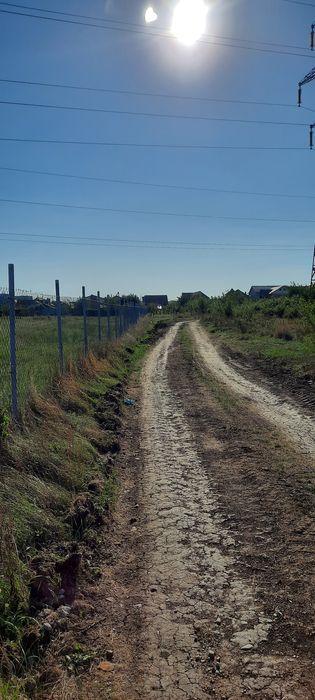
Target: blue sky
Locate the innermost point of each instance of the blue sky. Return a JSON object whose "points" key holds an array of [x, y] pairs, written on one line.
{"points": [[37, 50]]}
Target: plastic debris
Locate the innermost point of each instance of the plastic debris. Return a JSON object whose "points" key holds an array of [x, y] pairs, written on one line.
{"points": [[129, 402]]}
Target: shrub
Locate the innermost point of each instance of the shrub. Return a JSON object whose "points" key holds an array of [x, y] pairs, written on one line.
{"points": [[283, 331]]}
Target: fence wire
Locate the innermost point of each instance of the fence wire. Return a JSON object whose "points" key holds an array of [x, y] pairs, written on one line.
{"points": [[39, 351], [5, 371]]}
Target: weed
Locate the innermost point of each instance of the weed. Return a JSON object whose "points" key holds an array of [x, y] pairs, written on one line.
{"points": [[4, 427], [10, 691], [109, 492]]}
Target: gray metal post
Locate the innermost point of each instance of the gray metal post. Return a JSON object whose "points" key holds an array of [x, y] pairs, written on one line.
{"points": [[99, 316], [116, 322], [108, 321], [123, 319], [14, 397], [85, 332], [59, 325], [120, 321]]}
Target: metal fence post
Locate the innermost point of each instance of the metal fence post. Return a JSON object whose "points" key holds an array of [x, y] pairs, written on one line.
{"points": [[59, 325], [108, 321], [120, 321], [99, 316], [123, 319], [116, 321], [14, 398], [85, 332]]}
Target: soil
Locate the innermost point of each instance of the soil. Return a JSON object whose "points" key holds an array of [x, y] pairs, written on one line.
{"points": [[274, 407], [299, 389], [207, 568]]}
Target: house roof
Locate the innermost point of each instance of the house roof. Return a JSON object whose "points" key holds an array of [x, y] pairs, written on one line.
{"points": [[276, 289], [259, 287], [190, 295], [155, 298]]}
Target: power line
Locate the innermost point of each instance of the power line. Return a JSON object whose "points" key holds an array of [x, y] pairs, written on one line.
{"points": [[157, 115], [113, 245], [184, 215], [203, 244], [128, 23], [148, 247], [142, 183], [295, 2], [122, 144], [136, 93], [150, 33]]}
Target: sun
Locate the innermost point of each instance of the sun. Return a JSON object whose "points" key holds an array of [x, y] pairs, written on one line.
{"points": [[189, 21]]}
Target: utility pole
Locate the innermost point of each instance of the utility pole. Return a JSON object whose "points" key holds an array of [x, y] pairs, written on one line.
{"points": [[308, 78]]}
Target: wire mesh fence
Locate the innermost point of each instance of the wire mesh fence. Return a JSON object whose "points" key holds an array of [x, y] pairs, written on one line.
{"points": [[41, 335], [5, 372]]}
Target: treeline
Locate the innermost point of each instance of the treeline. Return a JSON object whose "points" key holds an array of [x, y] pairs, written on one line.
{"points": [[40, 306], [290, 316]]}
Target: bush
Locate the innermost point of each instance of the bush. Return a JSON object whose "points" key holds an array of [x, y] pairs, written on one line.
{"points": [[283, 331]]}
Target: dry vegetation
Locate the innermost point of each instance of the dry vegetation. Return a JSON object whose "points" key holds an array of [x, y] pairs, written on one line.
{"points": [[56, 485]]}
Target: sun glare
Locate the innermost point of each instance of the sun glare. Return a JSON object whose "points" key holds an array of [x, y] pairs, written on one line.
{"points": [[189, 21], [150, 15]]}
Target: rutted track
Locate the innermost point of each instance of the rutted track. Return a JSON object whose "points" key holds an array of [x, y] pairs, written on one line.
{"points": [[298, 426], [190, 576]]}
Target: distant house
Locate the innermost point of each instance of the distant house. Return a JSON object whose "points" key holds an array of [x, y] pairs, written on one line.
{"points": [[264, 291], [281, 291], [24, 299], [155, 300], [187, 296], [28, 306]]}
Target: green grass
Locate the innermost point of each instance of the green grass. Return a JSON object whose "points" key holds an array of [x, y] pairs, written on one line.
{"points": [[60, 449], [37, 351], [10, 691], [297, 355], [56, 463]]}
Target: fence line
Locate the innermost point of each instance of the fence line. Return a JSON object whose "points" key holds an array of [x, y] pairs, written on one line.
{"points": [[41, 335]]}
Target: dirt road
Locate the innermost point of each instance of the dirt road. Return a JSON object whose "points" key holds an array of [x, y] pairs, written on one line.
{"points": [[208, 568], [300, 427], [208, 626]]}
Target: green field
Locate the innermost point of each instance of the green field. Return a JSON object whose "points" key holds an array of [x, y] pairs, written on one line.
{"points": [[37, 351]]}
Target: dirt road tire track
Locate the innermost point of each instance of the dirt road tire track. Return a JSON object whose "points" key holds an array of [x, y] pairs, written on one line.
{"points": [[190, 574], [299, 426]]}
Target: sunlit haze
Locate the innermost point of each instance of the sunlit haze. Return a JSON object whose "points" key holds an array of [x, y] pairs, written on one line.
{"points": [[189, 21]]}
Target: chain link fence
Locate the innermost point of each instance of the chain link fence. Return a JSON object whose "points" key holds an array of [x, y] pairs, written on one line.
{"points": [[41, 335], [5, 372]]}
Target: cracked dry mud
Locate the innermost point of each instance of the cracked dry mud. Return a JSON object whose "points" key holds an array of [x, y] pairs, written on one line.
{"points": [[191, 580]]}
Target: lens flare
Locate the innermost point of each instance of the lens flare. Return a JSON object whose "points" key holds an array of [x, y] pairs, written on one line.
{"points": [[150, 15], [189, 21]]}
